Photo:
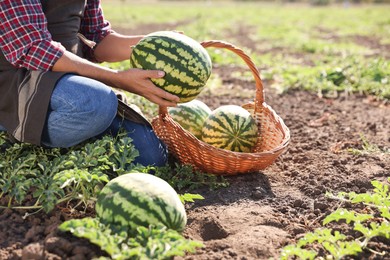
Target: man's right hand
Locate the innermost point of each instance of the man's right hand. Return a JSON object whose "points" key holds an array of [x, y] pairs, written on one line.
{"points": [[138, 81]]}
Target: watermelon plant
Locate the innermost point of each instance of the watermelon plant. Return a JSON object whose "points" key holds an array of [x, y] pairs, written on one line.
{"points": [[55, 176], [191, 116], [140, 199], [61, 176], [153, 242], [370, 220], [230, 127], [139, 216], [186, 64]]}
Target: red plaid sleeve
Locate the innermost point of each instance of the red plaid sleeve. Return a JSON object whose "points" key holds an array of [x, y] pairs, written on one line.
{"points": [[25, 40], [93, 26]]}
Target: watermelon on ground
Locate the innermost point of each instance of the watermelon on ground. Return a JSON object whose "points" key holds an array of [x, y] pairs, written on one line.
{"points": [[230, 127], [187, 65], [191, 116], [140, 199]]}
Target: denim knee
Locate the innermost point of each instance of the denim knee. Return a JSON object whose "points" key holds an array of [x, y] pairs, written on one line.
{"points": [[80, 108], [104, 111]]}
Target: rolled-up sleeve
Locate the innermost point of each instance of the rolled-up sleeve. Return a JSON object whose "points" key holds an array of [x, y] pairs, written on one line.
{"points": [[25, 40], [94, 26]]}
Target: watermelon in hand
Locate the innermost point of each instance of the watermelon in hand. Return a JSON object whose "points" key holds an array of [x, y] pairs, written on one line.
{"points": [[140, 199], [186, 64], [232, 128], [191, 116]]}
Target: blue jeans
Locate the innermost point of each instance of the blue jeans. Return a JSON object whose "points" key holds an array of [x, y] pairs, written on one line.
{"points": [[81, 108]]}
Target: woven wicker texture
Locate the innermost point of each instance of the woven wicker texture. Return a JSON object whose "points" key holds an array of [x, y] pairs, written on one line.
{"points": [[273, 138]]}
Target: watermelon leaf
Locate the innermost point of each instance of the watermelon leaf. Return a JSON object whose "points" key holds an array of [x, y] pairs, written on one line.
{"points": [[153, 242], [189, 197]]}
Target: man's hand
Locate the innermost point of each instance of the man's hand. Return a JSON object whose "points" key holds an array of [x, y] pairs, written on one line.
{"points": [[138, 81]]}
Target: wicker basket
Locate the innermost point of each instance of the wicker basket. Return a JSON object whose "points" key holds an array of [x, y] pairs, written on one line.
{"points": [[273, 138]]}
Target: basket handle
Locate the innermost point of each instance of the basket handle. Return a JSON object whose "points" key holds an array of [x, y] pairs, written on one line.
{"points": [[259, 99]]}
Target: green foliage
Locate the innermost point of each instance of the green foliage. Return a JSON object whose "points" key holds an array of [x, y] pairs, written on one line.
{"points": [[333, 242], [376, 223], [53, 176], [155, 242], [189, 197], [295, 251], [348, 216], [348, 75], [327, 50]]}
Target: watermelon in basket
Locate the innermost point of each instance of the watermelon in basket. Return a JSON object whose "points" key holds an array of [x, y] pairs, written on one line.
{"points": [[230, 127], [272, 140]]}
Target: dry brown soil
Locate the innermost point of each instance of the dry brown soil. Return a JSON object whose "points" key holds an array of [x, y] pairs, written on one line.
{"points": [[258, 213]]}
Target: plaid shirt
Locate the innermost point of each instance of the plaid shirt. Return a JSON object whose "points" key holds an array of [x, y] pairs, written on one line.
{"points": [[24, 37]]}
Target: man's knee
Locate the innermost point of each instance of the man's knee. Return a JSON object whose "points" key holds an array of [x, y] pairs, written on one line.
{"points": [[95, 103], [81, 108], [104, 110]]}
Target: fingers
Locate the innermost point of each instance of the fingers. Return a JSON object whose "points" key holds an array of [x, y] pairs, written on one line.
{"points": [[161, 97], [162, 102], [166, 95], [139, 82], [162, 94], [152, 74]]}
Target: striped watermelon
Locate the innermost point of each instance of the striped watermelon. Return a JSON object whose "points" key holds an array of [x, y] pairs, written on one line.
{"points": [[230, 127], [186, 63], [140, 199], [191, 116]]}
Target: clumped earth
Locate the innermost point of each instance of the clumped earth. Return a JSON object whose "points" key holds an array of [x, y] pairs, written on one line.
{"points": [[259, 213]]}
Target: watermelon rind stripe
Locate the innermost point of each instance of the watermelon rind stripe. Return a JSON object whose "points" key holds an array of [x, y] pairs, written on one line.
{"points": [[191, 116], [230, 131], [186, 63], [152, 211], [186, 55], [187, 78], [176, 74], [125, 207]]}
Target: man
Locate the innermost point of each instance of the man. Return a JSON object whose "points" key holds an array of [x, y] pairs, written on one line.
{"points": [[53, 93]]}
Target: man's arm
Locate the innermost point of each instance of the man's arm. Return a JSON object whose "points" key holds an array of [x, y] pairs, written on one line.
{"points": [[133, 80], [112, 47], [116, 47]]}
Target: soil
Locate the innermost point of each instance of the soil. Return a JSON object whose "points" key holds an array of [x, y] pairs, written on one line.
{"points": [[261, 212]]}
